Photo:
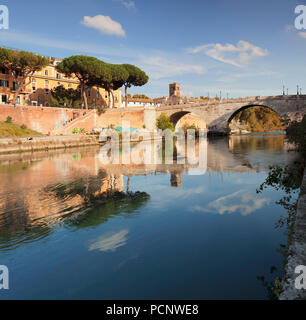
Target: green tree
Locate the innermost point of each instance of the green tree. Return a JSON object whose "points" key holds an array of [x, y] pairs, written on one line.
{"points": [[68, 98], [136, 77], [85, 68], [22, 65], [140, 96], [163, 122], [111, 77], [296, 133]]}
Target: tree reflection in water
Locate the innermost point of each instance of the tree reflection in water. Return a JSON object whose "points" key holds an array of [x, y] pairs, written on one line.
{"points": [[81, 203]]}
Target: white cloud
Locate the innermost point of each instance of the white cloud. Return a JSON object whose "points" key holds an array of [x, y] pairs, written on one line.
{"points": [[128, 3], [104, 24], [229, 78], [110, 242], [238, 55], [245, 203], [159, 67], [302, 34]]}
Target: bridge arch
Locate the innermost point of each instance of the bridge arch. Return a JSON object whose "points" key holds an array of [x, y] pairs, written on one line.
{"points": [[247, 107], [233, 115], [177, 116]]}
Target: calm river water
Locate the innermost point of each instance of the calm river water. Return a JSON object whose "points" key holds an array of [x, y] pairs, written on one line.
{"points": [[74, 228]]}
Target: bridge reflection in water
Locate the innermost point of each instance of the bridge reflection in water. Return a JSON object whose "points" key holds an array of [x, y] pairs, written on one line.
{"points": [[40, 190]]}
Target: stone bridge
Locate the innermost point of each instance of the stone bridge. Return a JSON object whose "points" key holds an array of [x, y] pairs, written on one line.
{"points": [[218, 114]]}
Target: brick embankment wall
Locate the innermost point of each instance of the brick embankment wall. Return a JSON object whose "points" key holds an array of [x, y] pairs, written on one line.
{"points": [[41, 119], [297, 250], [13, 145], [57, 121], [86, 121], [115, 117]]}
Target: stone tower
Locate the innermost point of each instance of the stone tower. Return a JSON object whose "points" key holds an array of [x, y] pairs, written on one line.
{"points": [[174, 89]]}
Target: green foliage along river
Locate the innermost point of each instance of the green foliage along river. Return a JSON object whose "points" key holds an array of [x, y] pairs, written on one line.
{"points": [[260, 119]]}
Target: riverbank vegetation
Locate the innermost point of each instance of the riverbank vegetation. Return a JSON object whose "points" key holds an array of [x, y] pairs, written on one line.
{"points": [[10, 129], [260, 119], [288, 180], [164, 122]]}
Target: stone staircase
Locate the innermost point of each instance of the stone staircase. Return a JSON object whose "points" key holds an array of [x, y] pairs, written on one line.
{"points": [[86, 121]]}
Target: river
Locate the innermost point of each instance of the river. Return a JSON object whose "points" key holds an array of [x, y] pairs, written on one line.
{"points": [[72, 227]]}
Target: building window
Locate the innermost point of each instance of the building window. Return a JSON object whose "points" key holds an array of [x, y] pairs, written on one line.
{"points": [[15, 86], [4, 83], [4, 98], [98, 94], [46, 72], [18, 100], [2, 70], [47, 90], [33, 81], [46, 83], [34, 88], [58, 76]]}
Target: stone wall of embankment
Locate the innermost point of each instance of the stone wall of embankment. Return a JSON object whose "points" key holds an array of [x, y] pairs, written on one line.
{"points": [[57, 121], [297, 250], [13, 145], [115, 117], [41, 119]]}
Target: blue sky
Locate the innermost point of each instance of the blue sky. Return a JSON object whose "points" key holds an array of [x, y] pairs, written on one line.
{"points": [[239, 47]]}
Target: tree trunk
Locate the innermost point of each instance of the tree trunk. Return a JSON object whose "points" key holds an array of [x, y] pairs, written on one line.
{"points": [[113, 100], [126, 97], [16, 94], [128, 185], [110, 100], [84, 96], [21, 85]]}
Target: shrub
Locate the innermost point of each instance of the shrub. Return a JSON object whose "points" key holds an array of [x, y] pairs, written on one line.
{"points": [[100, 110], [296, 133], [163, 122], [24, 127], [9, 120]]}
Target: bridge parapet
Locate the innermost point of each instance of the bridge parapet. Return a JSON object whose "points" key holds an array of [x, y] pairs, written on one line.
{"points": [[219, 113]]}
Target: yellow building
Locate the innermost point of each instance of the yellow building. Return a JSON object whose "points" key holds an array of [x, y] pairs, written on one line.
{"points": [[38, 88]]}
